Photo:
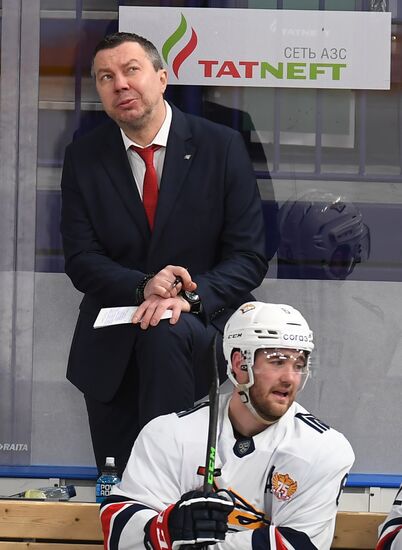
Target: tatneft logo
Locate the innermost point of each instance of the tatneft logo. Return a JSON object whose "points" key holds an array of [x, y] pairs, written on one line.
{"points": [[185, 52], [299, 63], [14, 447], [214, 68]]}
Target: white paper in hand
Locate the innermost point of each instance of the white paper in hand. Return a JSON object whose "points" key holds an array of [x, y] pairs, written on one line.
{"points": [[109, 316]]}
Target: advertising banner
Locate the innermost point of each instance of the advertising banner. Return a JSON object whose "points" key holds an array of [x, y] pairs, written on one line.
{"points": [[267, 48]]}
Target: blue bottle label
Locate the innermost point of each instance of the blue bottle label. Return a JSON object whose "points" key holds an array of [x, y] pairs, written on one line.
{"points": [[104, 486]]}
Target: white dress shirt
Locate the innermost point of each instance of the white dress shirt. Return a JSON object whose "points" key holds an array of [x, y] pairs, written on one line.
{"points": [[136, 162]]}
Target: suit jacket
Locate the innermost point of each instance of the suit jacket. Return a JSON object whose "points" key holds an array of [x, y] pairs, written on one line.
{"points": [[208, 219]]}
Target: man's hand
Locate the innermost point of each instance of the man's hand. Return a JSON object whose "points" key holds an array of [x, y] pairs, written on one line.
{"points": [[198, 519], [168, 282], [150, 312]]}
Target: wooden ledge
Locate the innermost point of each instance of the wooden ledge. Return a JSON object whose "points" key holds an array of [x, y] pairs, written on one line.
{"points": [[30, 519], [61, 522]]}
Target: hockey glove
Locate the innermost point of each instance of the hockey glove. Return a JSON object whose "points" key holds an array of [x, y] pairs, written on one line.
{"points": [[197, 519]]}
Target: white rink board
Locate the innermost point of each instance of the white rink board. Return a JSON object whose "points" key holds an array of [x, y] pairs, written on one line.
{"points": [[356, 387]]}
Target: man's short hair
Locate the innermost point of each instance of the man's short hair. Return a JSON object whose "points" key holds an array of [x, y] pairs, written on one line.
{"points": [[117, 38]]}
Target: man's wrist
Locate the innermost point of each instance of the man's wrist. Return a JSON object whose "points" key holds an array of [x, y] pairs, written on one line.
{"points": [[139, 291], [193, 299]]}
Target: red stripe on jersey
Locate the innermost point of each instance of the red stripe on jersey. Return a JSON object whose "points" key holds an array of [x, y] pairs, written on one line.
{"points": [[389, 537], [279, 541], [159, 535], [106, 515]]}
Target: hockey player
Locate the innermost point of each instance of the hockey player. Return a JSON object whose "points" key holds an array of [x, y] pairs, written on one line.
{"points": [[279, 470], [390, 532]]}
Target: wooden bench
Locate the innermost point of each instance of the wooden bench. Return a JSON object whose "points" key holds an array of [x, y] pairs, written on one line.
{"points": [[39, 525]]}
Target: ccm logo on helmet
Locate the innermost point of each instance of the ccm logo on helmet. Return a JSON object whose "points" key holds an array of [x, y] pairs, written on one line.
{"points": [[235, 335], [297, 338]]}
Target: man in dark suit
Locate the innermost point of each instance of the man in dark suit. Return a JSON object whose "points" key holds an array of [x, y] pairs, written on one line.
{"points": [[199, 257]]}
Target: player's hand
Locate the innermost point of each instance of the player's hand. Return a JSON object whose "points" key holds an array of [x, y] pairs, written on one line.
{"points": [[150, 312], [169, 281], [198, 519]]}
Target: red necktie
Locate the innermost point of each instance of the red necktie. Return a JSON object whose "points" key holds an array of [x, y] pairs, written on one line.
{"points": [[150, 189]]}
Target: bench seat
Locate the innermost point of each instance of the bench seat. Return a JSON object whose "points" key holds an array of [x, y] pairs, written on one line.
{"points": [[38, 525]]}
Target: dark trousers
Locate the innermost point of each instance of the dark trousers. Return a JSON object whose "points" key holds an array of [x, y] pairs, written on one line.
{"points": [[167, 372]]}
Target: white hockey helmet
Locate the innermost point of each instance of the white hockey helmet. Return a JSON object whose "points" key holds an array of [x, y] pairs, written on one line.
{"points": [[257, 325]]}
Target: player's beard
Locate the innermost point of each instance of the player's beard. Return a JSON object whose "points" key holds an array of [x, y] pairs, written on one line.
{"points": [[267, 411]]}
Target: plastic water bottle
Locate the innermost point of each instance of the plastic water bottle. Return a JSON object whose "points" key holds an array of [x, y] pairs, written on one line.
{"points": [[62, 492], [106, 480]]}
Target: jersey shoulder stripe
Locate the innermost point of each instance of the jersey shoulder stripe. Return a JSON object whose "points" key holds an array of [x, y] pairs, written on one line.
{"points": [[194, 409], [313, 422]]}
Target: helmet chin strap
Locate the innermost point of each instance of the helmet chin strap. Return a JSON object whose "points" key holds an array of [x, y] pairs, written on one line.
{"points": [[243, 390]]}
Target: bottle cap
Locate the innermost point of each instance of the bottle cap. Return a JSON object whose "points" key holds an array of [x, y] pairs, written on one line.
{"points": [[71, 491], [110, 461]]}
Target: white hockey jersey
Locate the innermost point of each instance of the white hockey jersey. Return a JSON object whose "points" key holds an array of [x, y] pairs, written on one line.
{"points": [[286, 480], [390, 532]]}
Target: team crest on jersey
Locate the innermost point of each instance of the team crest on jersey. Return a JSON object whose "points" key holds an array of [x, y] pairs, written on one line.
{"points": [[247, 307], [283, 486], [244, 446]]}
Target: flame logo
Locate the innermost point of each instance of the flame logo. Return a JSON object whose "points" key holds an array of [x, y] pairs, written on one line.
{"points": [[173, 40]]}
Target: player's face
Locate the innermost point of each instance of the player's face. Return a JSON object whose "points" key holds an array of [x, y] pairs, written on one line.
{"points": [[130, 89], [278, 374]]}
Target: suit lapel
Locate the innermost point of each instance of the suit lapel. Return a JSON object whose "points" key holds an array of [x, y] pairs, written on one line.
{"points": [[114, 158], [178, 159]]}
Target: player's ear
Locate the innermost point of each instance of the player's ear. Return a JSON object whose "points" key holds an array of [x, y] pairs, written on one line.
{"points": [[238, 360]]}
